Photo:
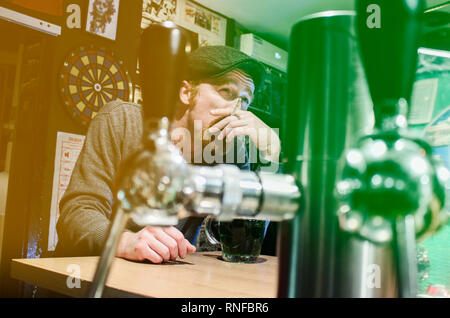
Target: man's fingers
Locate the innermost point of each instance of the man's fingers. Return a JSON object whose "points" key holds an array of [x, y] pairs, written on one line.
{"points": [[239, 131], [221, 124], [222, 111], [161, 244], [190, 248], [168, 241], [238, 123], [156, 244], [178, 237], [143, 251], [184, 246], [159, 248], [182, 249], [230, 126]]}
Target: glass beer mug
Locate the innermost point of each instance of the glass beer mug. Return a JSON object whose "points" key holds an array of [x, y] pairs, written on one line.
{"points": [[241, 239]]}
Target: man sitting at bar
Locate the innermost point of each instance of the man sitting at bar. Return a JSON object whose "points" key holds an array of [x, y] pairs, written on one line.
{"points": [[213, 102]]}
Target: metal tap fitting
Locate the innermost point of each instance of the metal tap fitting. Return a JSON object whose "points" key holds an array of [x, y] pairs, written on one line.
{"points": [[388, 178], [227, 192]]}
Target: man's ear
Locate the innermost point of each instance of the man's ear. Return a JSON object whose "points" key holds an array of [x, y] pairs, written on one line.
{"points": [[185, 93]]}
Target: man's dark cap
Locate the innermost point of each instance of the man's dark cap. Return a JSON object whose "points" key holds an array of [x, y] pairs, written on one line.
{"points": [[214, 61]]}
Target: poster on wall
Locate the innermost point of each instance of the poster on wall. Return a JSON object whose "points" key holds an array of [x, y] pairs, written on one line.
{"points": [[158, 11], [68, 148], [102, 18], [210, 27]]}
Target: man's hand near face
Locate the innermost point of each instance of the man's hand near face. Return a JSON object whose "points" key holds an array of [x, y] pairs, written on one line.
{"points": [[154, 243], [238, 122]]}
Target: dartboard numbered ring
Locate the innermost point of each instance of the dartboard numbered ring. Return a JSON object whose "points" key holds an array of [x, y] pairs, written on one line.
{"points": [[90, 78]]}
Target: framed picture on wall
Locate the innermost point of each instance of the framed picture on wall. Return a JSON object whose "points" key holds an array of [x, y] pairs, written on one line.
{"points": [[210, 27], [159, 10], [102, 18]]}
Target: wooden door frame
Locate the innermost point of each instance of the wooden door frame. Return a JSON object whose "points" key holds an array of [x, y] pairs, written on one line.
{"points": [[22, 229]]}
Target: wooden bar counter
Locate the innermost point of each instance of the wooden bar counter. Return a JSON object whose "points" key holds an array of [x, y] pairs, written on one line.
{"points": [[202, 275]]}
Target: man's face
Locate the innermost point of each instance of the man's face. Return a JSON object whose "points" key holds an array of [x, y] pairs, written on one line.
{"points": [[221, 92]]}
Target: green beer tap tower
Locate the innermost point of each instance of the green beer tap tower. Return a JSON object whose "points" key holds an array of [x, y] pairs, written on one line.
{"points": [[367, 194]]}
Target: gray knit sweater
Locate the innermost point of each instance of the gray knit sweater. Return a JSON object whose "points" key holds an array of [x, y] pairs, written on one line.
{"points": [[86, 207]]}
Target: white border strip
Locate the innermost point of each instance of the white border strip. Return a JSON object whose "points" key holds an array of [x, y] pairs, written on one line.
{"points": [[26, 20]]}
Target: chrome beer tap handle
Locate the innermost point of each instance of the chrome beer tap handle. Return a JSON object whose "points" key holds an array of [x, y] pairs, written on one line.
{"points": [[150, 185], [227, 192]]}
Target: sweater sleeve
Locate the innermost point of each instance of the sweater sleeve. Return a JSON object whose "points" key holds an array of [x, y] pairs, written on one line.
{"points": [[86, 207]]}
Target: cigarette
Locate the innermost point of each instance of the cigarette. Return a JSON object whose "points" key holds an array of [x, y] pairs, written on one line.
{"points": [[238, 104]]}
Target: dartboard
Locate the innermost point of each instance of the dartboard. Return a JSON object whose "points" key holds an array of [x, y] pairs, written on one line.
{"points": [[90, 78]]}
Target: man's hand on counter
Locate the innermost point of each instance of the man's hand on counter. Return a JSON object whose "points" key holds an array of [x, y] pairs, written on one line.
{"points": [[154, 243]]}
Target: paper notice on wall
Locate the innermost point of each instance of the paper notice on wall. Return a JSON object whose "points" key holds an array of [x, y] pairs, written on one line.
{"points": [[68, 148]]}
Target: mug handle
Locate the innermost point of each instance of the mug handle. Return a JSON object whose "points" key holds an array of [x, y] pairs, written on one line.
{"points": [[208, 231]]}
